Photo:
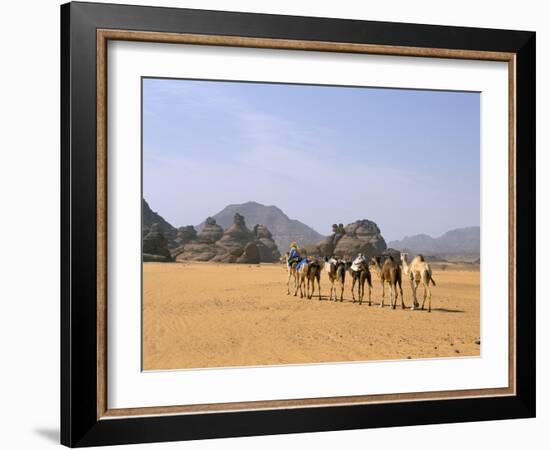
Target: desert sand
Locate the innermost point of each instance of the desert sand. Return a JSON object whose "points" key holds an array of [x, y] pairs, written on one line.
{"points": [[198, 315]]}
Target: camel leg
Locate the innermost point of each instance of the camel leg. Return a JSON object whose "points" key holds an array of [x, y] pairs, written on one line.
{"points": [[319, 286], [288, 283], [383, 295], [370, 304], [342, 292], [401, 294], [414, 302], [427, 293], [427, 289], [352, 288], [424, 299], [361, 291], [414, 287]]}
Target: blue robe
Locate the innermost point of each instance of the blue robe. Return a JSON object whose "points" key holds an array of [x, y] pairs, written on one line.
{"points": [[293, 255]]}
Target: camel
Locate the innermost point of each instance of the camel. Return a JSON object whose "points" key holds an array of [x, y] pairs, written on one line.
{"points": [[314, 274], [360, 276], [336, 271], [292, 274], [390, 273], [419, 271], [302, 271]]}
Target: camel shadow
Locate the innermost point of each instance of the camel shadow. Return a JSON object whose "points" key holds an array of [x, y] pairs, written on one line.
{"points": [[447, 310], [347, 300]]}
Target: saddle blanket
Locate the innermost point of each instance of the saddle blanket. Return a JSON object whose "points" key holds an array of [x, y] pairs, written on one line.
{"points": [[301, 263], [355, 265]]}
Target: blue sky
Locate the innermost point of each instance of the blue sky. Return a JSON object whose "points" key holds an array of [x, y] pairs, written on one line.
{"points": [[407, 159]]}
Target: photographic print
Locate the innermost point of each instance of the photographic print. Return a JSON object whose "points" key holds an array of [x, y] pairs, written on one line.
{"points": [[305, 224]]}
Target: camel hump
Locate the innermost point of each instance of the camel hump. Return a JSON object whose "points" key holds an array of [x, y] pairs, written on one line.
{"points": [[421, 258]]}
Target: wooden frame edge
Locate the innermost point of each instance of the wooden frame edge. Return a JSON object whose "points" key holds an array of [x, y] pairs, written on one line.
{"points": [[289, 44], [101, 225], [103, 35]]}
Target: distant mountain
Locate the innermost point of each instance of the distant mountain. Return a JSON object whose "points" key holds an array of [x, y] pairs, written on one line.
{"points": [[462, 241], [283, 229]]}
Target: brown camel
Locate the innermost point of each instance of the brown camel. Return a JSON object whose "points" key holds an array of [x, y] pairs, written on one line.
{"points": [[336, 271], [389, 272], [302, 271], [360, 276], [314, 274]]}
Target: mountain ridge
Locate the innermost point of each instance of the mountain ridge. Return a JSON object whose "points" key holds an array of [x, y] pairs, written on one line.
{"points": [[458, 241], [283, 228]]}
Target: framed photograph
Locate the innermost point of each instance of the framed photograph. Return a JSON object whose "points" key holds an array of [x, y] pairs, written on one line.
{"points": [[277, 224]]}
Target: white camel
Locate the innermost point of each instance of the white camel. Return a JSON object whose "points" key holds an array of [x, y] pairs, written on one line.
{"points": [[419, 271]]}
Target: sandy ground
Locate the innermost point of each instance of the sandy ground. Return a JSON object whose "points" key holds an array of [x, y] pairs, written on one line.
{"points": [[216, 315]]}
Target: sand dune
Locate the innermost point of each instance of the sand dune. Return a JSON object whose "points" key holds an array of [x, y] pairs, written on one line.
{"points": [[219, 315]]}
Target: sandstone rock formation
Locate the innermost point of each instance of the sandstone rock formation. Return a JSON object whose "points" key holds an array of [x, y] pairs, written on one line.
{"points": [[155, 245], [250, 255], [185, 234], [361, 236], [149, 217], [284, 230], [237, 244], [211, 232], [266, 246]]}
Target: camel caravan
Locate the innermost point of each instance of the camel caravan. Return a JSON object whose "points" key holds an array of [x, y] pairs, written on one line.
{"points": [[305, 275]]}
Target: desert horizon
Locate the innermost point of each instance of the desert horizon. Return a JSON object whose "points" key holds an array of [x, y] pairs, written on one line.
{"points": [[459, 244]]}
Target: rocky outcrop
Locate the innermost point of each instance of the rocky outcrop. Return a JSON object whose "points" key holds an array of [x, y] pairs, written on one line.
{"points": [[185, 234], [155, 245], [250, 255], [211, 232], [266, 245], [237, 244], [361, 236], [149, 217], [195, 251]]}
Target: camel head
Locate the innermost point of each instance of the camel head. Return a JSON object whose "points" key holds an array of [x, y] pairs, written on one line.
{"points": [[404, 256]]}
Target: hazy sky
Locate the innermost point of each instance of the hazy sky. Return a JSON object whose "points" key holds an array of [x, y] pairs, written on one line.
{"points": [[407, 159]]}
